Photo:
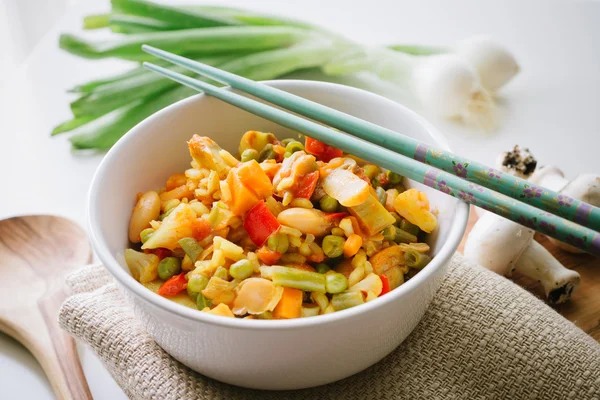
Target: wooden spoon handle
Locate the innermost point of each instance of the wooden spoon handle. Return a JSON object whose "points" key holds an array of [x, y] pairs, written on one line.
{"points": [[54, 349], [64, 372]]}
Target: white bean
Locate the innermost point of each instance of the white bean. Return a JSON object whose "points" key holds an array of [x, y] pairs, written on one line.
{"points": [[146, 210]]}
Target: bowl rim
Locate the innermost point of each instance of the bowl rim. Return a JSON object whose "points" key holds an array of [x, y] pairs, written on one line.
{"points": [[459, 224]]}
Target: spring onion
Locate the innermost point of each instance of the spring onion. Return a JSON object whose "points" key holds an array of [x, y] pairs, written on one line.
{"points": [[453, 81], [415, 259]]}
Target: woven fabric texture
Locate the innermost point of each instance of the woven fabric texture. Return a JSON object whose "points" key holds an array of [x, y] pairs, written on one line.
{"points": [[482, 337]]}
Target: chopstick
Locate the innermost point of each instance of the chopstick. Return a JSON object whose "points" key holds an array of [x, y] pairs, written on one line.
{"points": [[522, 213], [579, 212]]}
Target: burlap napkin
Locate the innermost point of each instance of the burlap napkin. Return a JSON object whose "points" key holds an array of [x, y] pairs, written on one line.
{"points": [[483, 337]]}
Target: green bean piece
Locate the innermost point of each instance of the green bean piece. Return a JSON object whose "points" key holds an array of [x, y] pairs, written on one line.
{"points": [[196, 283], [322, 268], [371, 170], [333, 246], [165, 214], [287, 141], [191, 247], [328, 204], [397, 217], [381, 195], [404, 237], [145, 234], [222, 273], [241, 269], [298, 279], [416, 260], [389, 233], [278, 242], [342, 301], [335, 283], [409, 227], [249, 155], [168, 267], [202, 302], [294, 146], [393, 177], [267, 153]]}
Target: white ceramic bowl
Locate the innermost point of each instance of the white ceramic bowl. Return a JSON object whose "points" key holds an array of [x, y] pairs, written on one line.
{"points": [[278, 354]]}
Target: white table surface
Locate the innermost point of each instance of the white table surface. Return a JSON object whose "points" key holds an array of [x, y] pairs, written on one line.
{"points": [[553, 106]]}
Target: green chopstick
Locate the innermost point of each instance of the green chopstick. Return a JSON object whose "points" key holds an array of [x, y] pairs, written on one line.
{"points": [[553, 202], [586, 239]]}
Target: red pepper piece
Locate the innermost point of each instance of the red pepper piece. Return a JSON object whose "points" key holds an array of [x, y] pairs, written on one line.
{"points": [[173, 285], [323, 151], [260, 223], [268, 256], [307, 185], [333, 216], [160, 252], [386, 284]]}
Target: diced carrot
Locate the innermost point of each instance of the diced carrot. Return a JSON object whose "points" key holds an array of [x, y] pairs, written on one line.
{"points": [[255, 179], [173, 285], [200, 229], [268, 256], [178, 193], [241, 199], [175, 181], [290, 305], [352, 245]]}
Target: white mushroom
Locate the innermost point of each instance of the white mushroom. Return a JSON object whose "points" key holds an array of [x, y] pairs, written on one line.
{"points": [[504, 246], [586, 187], [518, 162]]}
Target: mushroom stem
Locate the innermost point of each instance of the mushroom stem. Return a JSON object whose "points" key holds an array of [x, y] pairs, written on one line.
{"points": [[537, 263]]}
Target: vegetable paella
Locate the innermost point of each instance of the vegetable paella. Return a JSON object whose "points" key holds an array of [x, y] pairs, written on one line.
{"points": [[285, 230]]}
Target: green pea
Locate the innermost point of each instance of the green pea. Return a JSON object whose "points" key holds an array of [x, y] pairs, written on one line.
{"points": [[328, 204], [389, 233], [333, 246], [145, 234], [287, 141], [278, 242], [294, 146], [267, 153], [197, 283], [202, 302], [322, 268], [168, 267], [335, 283], [381, 195], [221, 273], [371, 170], [241, 269], [394, 177], [249, 155]]}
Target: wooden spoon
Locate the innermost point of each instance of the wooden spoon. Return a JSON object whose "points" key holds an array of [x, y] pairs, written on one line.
{"points": [[36, 252]]}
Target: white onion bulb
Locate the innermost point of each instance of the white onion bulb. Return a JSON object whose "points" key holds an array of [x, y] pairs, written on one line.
{"points": [[494, 64]]}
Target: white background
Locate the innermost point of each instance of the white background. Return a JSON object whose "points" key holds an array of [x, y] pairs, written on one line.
{"points": [[553, 106]]}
